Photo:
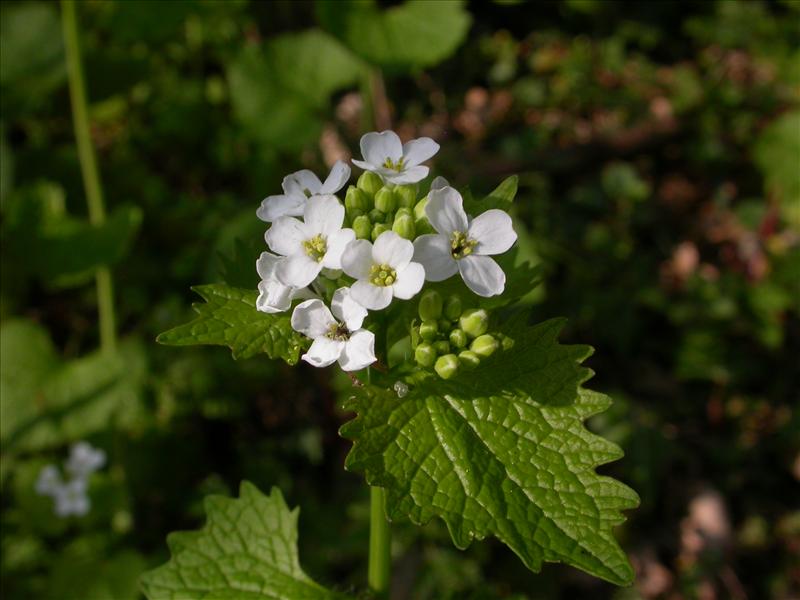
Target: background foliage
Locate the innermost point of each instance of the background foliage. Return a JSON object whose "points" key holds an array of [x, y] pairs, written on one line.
{"points": [[657, 144]]}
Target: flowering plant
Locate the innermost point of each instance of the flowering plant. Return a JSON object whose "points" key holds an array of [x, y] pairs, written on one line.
{"points": [[466, 410]]}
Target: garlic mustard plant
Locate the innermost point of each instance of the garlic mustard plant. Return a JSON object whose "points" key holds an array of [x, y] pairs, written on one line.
{"points": [[465, 410]]}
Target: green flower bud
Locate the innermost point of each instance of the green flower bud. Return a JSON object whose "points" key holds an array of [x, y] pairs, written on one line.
{"points": [[428, 330], [385, 200], [430, 305], [506, 342], [452, 307], [468, 359], [419, 209], [404, 227], [442, 347], [370, 182], [425, 355], [474, 322], [458, 338], [445, 326], [423, 227], [356, 200], [378, 229], [377, 216], [406, 195], [484, 346], [415, 337], [446, 366], [403, 211], [363, 227]]}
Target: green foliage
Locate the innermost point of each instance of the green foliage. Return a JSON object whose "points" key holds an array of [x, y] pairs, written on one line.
{"points": [[412, 35], [48, 402], [229, 318], [777, 154], [246, 550], [501, 451], [280, 89]]}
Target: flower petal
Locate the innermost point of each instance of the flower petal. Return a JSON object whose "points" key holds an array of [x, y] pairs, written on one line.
{"points": [[337, 242], [303, 183], [359, 351], [274, 207], [340, 173], [347, 310], [393, 250], [445, 211], [323, 352], [433, 252], [371, 296], [409, 281], [493, 232], [266, 264], [439, 183], [482, 275], [409, 175], [377, 147], [357, 259], [323, 214], [274, 297], [364, 165], [286, 236], [312, 318], [298, 270], [418, 151]]}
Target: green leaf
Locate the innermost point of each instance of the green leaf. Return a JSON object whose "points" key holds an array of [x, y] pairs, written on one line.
{"points": [[418, 33], [47, 402], [501, 451], [280, 91], [501, 197], [246, 550], [229, 318], [777, 153]]}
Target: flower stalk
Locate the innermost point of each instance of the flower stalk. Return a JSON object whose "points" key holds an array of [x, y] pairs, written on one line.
{"points": [[89, 172]]}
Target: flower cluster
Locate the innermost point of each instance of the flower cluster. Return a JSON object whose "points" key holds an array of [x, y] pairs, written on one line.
{"points": [[383, 242], [71, 496]]}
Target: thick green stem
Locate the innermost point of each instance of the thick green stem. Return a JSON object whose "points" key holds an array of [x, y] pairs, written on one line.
{"points": [[378, 574], [91, 177]]}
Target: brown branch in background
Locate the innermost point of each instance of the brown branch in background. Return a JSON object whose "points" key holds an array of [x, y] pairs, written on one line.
{"points": [[380, 103]]}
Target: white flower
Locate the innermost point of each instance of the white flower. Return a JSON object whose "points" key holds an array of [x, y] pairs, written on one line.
{"points": [[383, 271], [462, 246], [336, 336], [275, 297], [71, 498], [49, 481], [297, 188], [396, 162], [438, 183], [310, 246], [84, 460]]}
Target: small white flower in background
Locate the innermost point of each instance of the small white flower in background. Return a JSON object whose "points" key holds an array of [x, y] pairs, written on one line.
{"points": [[383, 270], [297, 188], [275, 297], [463, 246], [72, 498], [337, 335], [49, 481], [394, 161], [311, 245], [84, 460]]}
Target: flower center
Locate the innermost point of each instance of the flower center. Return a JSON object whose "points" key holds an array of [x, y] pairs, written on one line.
{"points": [[316, 247], [338, 332], [461, 245], [382, 275], [394, 166], [307, 192]]}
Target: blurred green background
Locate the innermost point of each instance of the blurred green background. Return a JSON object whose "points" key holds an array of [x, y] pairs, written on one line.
{"points": [[658, 149]]}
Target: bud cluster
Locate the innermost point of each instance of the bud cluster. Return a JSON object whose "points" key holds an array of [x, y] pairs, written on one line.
{"points": [[372, 208], [450, 337]]}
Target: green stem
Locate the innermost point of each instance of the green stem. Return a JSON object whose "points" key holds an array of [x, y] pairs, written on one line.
{"points": [[91, 177], [378, 574]]}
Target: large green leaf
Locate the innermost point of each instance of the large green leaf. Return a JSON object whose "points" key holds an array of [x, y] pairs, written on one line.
{"points": [[229, 318], [418, 33], [501, 451], [47, 402], [246, 551]]}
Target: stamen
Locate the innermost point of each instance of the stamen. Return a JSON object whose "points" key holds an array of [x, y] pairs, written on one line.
{"points": [[338, 332], [395, 166], [316, 247], [461, 245], [382, 275]]}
